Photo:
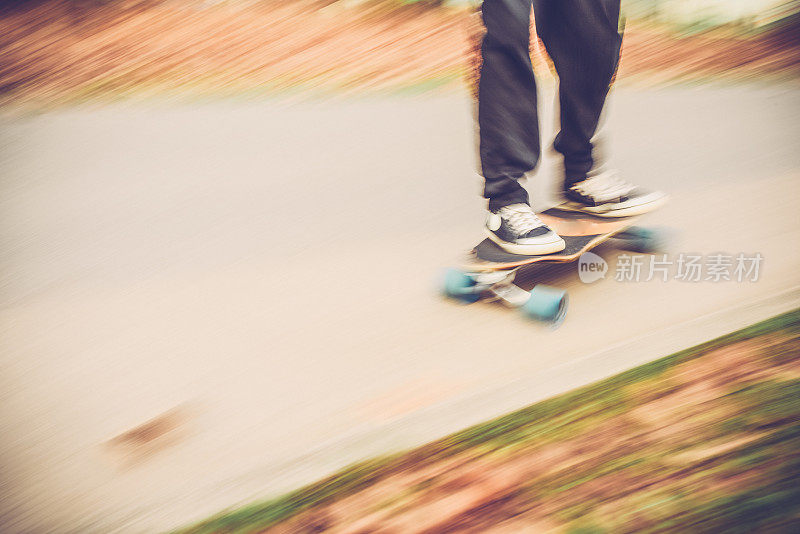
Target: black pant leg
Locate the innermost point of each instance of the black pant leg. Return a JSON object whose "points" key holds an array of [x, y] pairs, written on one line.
{"points": [[507, 115], [583, 40]]}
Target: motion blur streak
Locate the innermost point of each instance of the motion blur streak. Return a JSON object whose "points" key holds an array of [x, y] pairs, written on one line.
{"points": [[74, 50]]}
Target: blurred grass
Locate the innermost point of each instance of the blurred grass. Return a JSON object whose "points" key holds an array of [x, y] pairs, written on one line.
{"points": [[704, 440]]}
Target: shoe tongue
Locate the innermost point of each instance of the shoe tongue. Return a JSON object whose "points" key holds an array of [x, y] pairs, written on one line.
{"points": [[610, 181], [520, 208], [523, 218]]}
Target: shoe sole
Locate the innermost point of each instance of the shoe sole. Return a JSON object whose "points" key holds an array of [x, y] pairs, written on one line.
{"points": [[639, 209], [528, 250]]}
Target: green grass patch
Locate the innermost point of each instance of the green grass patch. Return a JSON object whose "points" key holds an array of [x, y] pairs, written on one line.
{"points": [[770, 407]]}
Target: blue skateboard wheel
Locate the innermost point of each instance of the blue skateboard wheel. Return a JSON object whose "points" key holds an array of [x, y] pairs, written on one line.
{"points": [[548, 304], [642, 240], [459, 285]]}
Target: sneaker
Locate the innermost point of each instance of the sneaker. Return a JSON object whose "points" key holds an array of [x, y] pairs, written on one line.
{"points": [[607, 195], [517, 229]]}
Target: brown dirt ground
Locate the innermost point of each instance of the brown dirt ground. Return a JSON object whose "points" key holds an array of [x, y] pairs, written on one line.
{"points": [[57, 50]]}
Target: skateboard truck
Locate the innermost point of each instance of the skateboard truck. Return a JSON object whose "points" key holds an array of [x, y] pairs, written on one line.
{"points": [[544, 303]]}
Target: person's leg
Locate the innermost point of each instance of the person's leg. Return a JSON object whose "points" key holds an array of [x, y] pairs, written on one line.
{"points": [[507, 118], [509, 129], [582, 38]]}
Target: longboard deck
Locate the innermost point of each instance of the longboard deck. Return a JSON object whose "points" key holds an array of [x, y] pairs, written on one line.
{"points": [[580, 233]]}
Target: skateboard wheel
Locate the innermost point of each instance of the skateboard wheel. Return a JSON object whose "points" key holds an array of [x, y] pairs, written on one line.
{"points": [[459, 285], [548, 304], [642, 240]]}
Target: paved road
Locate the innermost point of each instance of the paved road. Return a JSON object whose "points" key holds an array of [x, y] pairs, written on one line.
{"points": [[265, 270]]}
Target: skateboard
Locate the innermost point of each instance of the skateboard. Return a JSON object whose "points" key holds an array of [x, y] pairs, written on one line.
{"points": [[489, 270]]}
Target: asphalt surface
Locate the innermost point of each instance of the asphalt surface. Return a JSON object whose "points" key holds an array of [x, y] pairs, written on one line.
{"points": [[263, 273]]}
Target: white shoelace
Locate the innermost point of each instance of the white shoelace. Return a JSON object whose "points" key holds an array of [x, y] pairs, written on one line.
{"points": [[520, 218], [604, 186]]}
